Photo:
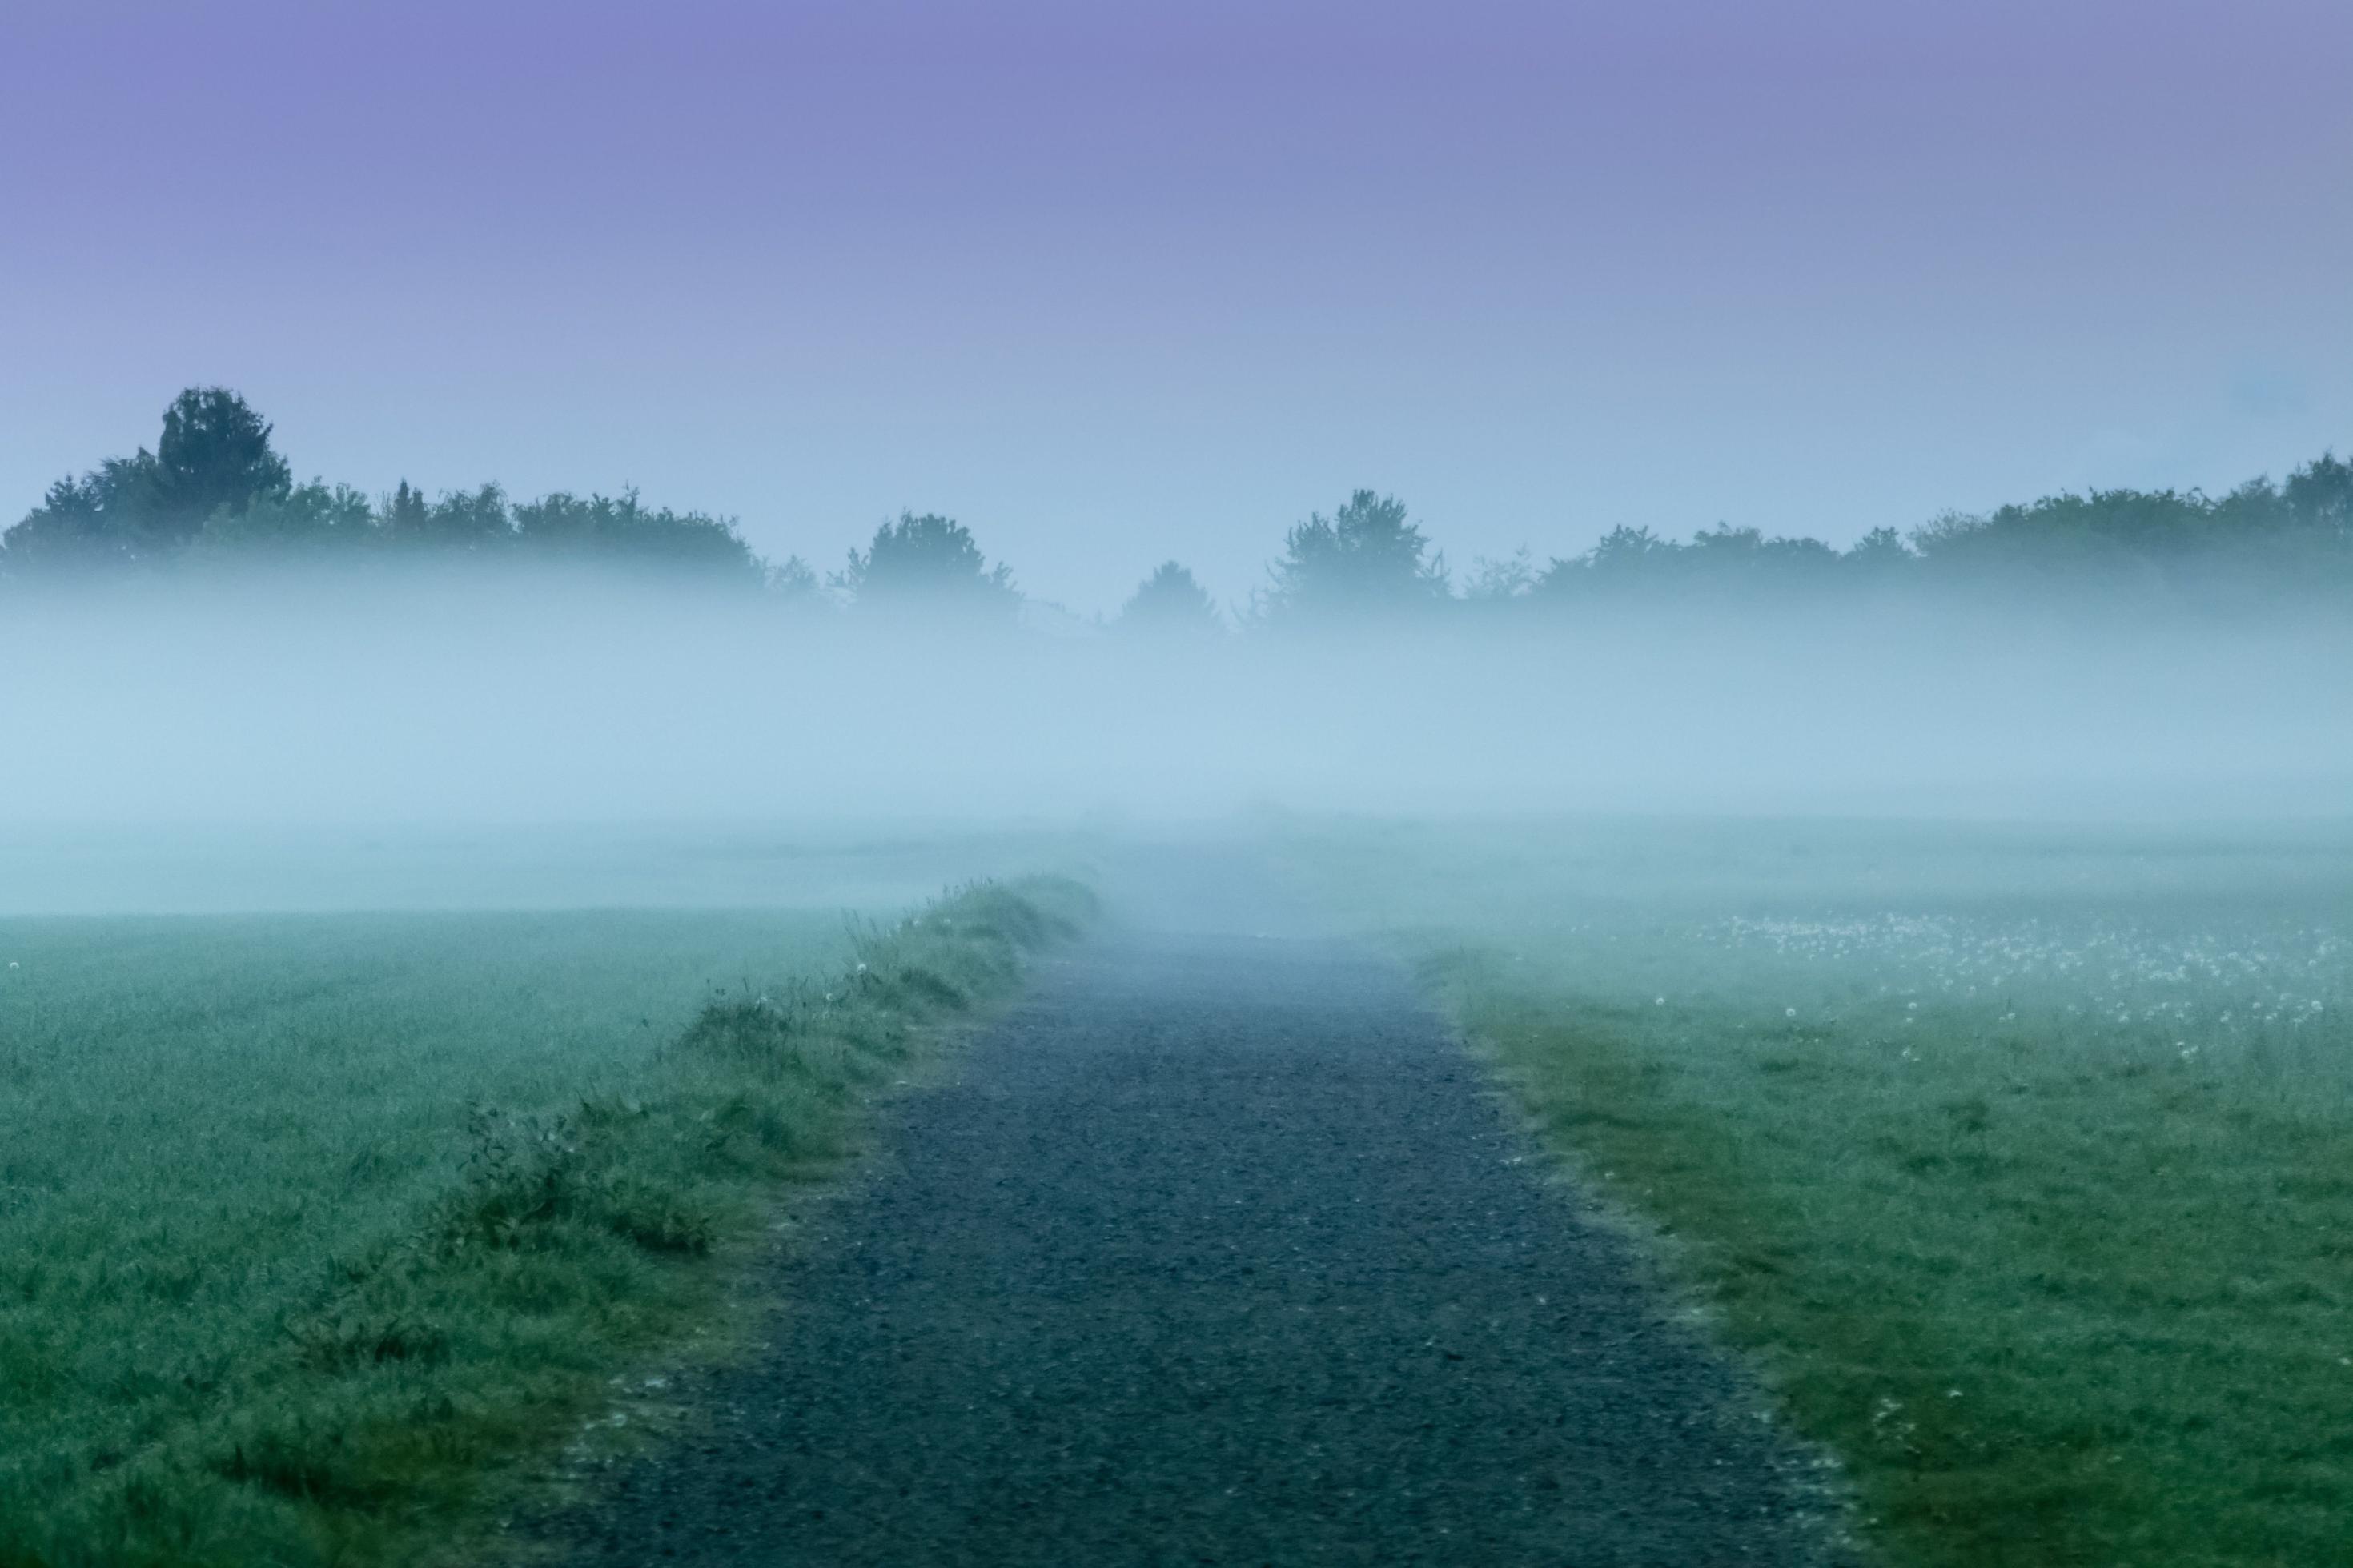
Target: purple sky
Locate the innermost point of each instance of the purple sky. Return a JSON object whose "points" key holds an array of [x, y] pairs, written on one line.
{"points": [[1114, 282]]}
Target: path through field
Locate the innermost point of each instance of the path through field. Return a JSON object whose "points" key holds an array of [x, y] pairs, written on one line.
{"points": [[1215, 1251]]}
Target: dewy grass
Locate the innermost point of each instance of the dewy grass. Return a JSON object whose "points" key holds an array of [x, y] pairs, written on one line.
{"points": [[323, 1373], [2028, 1189]]}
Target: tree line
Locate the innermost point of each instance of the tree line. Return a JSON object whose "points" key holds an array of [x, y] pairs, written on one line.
{"points": [[214, 488]]}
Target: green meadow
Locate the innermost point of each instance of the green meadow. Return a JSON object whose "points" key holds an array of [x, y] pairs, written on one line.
{"points": [[2019, 1161], [316, 1229]]}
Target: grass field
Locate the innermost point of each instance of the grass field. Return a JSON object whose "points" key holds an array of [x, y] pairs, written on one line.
{"points": [[310, 1225], [2021, 1159]]}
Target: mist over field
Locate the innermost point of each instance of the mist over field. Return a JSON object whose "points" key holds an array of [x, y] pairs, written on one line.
{"points": [[225, 689], [312, 698]]}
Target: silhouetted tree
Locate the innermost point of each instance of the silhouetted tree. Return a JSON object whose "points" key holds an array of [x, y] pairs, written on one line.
{"points": [[466, 519], [794, 584], [1725, 554], [928, 561], [90, 522], [216, 483], [1499, 582], [1630, 553], [405, 514], [214, 456], [304, 517], [2111, 530], [1881, 547], [2320, 495], [1171, 601], [623, 529], [1366, 558], [1622, 558]]}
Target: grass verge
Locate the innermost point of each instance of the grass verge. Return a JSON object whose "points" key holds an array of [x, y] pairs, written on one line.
{"points": [[2022, 1173], [397, 1396]]}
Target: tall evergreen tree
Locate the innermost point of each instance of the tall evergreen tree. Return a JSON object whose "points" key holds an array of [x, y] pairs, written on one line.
{"points": [[214, 456]]}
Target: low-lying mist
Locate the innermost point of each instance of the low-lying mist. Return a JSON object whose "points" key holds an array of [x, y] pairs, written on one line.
{"points": [[310, 699]]}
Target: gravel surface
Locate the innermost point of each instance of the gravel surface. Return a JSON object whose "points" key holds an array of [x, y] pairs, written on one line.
{"points": [[1215, 1251]]}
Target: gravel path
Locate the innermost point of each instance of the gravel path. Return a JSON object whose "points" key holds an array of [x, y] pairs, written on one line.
{"points": [[1215, 1251]]}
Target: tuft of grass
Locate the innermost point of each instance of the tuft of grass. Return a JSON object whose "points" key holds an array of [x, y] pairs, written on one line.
{"points": [[363, 1399], [2021, 1173]]}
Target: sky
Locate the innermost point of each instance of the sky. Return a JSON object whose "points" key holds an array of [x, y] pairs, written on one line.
{"points": [[1113, 283]]}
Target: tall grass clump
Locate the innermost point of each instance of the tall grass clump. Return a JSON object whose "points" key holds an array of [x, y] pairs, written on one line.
{"points": [[438, 1361]]}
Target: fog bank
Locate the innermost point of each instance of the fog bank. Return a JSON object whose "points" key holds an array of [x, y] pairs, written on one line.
{"points": [[411, 703]]}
